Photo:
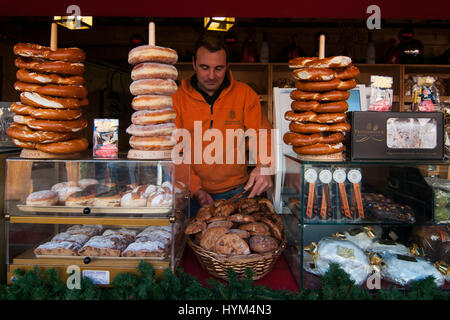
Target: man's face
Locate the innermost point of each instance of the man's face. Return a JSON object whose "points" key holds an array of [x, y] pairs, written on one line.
{"points": [[210, 68]]}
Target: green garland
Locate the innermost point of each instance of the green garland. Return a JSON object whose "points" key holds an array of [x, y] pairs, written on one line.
{"points": [[336, 285]]}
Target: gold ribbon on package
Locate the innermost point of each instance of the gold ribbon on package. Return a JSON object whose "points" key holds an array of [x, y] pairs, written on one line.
{"points": [[376, 261], [442, 267], [416, 250]]}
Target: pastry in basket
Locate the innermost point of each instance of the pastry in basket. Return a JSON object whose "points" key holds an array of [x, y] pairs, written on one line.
{"points": [[210, 237], [256, 228], [241, 233], [241, 218], [108, 246], [87, 229], [58, 248], [223, 223], [274, 230], [195, 226], [231, 244], [223, 208], [266, 205], [151, 248], [263, 244], [79, 238], [248, 206], [42, 198], [213, 219], [205, 213]]}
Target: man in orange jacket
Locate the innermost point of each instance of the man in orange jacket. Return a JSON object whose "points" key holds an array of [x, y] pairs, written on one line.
{"points": [[212, 103]]}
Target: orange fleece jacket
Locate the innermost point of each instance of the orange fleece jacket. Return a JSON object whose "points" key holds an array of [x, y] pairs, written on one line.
{"points": [[237, 107]]}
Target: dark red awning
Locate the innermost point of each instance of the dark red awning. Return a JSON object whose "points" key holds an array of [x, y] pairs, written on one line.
{"points": [[390, 9]]}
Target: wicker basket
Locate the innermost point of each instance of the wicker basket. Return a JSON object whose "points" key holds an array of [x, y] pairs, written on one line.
{"points": [[218, 264]]}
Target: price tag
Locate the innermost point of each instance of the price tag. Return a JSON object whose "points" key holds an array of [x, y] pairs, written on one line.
{"points": [[97, 276]]}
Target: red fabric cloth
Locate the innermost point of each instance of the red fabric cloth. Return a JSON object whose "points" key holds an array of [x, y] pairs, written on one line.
{"points": [[280, 278]]}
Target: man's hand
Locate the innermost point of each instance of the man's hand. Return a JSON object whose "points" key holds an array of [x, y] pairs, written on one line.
{"points": [[259, 182], [203, 197]]}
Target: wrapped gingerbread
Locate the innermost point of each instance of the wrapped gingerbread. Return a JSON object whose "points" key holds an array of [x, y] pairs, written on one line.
{"points": [[52, 95], [318, 119]]}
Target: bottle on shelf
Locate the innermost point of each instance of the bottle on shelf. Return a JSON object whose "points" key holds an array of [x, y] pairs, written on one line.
{"points": [[249, 50], [370, 53], [264, 51]]}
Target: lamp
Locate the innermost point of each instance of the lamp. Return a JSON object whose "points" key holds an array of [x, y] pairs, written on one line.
{"points": [[74, 22], [219, 23]]}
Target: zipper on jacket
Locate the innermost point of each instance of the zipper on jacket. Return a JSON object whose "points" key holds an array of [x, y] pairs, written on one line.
{"points": [[211, 122]]}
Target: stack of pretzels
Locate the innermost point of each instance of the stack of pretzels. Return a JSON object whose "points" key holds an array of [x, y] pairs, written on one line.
{"points": [[318, 120], [51, 96], [153, 84]]}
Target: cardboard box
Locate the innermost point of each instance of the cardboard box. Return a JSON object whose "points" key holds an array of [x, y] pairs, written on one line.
{"points": [[396, 135]]}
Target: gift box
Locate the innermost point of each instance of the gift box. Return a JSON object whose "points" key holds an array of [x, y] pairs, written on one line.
{"points": [[396, 135]]}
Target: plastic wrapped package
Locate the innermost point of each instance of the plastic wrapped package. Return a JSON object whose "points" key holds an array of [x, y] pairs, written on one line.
{"points": [[425, 94], [388, 247], [364, 237], [346, 254], [441, 190], [403, 270], [381, 93], [434, 241]]}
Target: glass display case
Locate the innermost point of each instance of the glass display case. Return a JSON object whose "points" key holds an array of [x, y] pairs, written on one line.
{"points": [[374, 219], [102, 215]]}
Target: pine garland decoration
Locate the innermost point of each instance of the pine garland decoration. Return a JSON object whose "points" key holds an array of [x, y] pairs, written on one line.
{"points": [[336, 285]]}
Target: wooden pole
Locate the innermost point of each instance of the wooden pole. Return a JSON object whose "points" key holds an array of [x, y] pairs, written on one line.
{"points": [[322, 46], [151, 33], [54, 37]]}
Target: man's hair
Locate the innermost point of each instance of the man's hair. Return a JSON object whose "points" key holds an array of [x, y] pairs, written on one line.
{"points": [[212, 44]]}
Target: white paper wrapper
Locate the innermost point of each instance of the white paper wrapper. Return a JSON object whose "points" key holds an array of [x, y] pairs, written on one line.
{"points": [[346, 254], [362, 239], [385, 248], [403, 272]]}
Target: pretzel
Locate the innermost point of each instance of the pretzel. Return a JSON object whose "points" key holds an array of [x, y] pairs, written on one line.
{"points": [[60, 54], [58, 126], [319, 149], [59, 67], [323, 86], [297, 139], [64, 147], [334, 95], [37, 136], [311, 116], [37, 100], [347, 73], [318, 127], [337, 106], [42, 78], [65, 91]]}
